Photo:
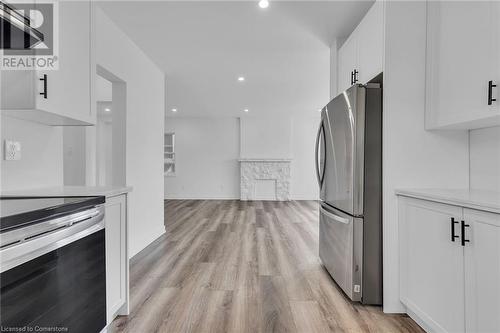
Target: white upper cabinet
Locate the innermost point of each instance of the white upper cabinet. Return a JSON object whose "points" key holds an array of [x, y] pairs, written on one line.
{"points": [[69, 86], [61, 96], [347, 63], [482, 271], [462, 58], [360, 58], [371, 43]]}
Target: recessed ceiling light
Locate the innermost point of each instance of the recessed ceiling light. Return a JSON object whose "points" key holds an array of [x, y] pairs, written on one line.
{"points": [[246, 110], [264, 4], [107, 109], [174, 110], [241, 78]]}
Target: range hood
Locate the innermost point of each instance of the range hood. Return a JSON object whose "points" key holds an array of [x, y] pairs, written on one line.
{"points": [[16, 31]]}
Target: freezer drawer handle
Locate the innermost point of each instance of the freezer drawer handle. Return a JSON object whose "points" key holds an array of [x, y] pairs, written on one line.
{"points": [[333, 216]]}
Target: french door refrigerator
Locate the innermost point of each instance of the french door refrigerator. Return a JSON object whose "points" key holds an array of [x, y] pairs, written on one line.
{"points": [[349, 172]]}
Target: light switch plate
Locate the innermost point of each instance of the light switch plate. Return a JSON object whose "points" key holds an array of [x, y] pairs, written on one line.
{"points": [[12, 150]]}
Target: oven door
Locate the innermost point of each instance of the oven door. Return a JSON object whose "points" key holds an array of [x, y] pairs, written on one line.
{"points": [[62, 287]]}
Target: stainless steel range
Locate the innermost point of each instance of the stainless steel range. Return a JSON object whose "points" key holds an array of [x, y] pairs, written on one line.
{"points": [[52, 264]]}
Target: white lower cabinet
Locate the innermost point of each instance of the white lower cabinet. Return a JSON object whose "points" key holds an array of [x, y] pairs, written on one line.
{"points": [[450, 266], [432, 267], [116, 257], [482, 271]]}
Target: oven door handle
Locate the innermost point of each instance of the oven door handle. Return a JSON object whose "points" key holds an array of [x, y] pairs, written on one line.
{"points": [[28, 249], [42, 228]]}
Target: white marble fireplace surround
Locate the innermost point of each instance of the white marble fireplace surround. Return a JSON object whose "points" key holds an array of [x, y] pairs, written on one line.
{"points": [[257, 171]]}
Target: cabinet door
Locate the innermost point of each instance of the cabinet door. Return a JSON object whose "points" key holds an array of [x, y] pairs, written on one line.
{"points": [[17, 90], [482, 271], [69, 87], [432, 267], [371, 43], [347, 62], [116, 255], [462, 56]]}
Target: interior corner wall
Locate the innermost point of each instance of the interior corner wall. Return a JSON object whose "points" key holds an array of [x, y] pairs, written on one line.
{"points": [[116, 53], [74, 150], [41, 163], [207, 152], [407, 146], [304, 184], [333, 69], [206, 158], [485, 159]]}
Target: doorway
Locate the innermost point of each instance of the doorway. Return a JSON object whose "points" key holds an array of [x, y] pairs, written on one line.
{"points": [[110, 137]]}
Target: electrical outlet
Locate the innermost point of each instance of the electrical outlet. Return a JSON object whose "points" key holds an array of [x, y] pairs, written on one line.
{"points": [[12, 150]]}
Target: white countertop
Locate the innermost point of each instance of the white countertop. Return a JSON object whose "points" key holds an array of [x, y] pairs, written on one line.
{"points": [[69, 191], [475, 199]]}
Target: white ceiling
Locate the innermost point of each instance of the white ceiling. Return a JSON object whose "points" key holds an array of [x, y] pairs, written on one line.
{"points": [[203, 47]]}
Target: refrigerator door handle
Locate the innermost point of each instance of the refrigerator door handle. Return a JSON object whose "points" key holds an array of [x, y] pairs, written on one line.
{"points": [[333, 216], [316, 154]]}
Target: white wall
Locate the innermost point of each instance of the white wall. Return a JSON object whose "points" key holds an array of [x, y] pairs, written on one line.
{"points": [[74, 153], [266, 137], [206, 150], [485, 159], [41, 163], [412, 157], [104, 133], [304, 182], [116, 53], [333, 69]]}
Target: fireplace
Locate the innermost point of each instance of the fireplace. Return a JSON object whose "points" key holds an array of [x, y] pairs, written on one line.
{"points": [[265, 179]]}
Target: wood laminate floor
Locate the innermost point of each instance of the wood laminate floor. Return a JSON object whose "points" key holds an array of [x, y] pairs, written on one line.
{"points": [[231, 266]]}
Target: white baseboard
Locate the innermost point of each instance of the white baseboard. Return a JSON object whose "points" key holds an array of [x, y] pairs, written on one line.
{"points": [[229, 198], [200, 198], [154, 236]]}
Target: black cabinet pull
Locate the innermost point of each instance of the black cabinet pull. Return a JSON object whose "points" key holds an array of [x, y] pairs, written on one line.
{"points": [[490, 92], [352, 78], [463, 233], [44, 92], [453, 222], [355, 76]]}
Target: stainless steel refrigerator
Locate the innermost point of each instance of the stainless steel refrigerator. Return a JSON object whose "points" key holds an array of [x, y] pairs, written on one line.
{"points": [[349, 171]]}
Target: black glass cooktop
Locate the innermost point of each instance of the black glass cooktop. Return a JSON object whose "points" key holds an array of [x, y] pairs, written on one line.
{"points": [[20, 211]]}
